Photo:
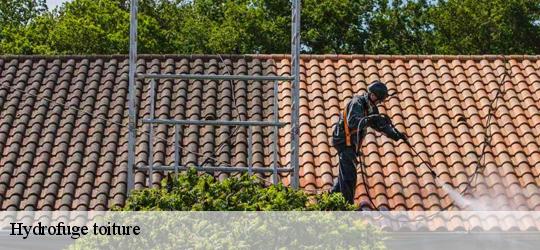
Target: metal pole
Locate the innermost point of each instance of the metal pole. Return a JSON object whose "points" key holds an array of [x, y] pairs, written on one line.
{"points": [[151, 135], [250, 151], [214, 77], [295, 55], [220, 169], [131, 91], [212, 122], [176, 151], [275, 134]]}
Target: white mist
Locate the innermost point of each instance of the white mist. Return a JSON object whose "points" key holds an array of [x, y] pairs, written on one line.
{"points": [[462, 202]]}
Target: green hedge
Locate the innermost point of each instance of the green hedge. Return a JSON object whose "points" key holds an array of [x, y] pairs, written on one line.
{"points": [[194, 192]]}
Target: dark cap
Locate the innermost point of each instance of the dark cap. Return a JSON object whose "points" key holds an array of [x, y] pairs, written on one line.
{"points": [[379, 89]]}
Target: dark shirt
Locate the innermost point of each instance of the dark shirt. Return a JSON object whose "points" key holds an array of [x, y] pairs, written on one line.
{"points": [[358, 109]]}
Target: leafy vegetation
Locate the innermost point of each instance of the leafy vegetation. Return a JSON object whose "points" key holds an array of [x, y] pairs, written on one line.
{"points": [[191, 191], [263, 26]]}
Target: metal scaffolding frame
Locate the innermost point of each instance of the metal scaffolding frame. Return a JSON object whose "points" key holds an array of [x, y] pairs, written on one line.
{"points": [[295, 78]]}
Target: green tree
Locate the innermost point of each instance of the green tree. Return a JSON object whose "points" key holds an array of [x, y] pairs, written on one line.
{"points": [[97, 27], [165, 26], [487, 26], [263, 26], [15, 15], [244, 26], [399, 27], [20, 11], [335, 26]]}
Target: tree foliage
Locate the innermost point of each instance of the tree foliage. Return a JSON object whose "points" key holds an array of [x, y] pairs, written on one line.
{"points": [[20, 11], [15, 17], [335, 26], [399, 27], [263, 26], [486, 27], [191, 191]]}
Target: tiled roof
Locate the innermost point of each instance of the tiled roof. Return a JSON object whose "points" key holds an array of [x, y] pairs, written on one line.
{"points": [[63, 138]]}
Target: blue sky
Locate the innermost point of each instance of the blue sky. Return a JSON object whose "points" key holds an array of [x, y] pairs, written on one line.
{"points": [[53, 3]]}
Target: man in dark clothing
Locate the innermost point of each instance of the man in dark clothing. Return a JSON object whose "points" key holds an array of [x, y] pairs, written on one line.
{"points": [[361, 112]]}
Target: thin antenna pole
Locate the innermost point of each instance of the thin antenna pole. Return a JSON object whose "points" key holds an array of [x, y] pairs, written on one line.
{"points": [[151, 133], [295, 55], [131, 92], [176, 149], [249, 151], [275, 139]]}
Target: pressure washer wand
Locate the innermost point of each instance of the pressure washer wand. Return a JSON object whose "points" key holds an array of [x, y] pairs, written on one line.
{"points": [[405, 138], [430, 167]]}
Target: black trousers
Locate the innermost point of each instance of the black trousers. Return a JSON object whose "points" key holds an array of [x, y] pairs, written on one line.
{"points": [[346, 181]]}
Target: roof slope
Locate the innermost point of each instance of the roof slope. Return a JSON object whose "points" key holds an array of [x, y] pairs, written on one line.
{"points": [[63, 133]]}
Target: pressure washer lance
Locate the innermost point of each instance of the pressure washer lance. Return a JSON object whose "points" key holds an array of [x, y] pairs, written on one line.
{"points": [[430, 167], [405, 138]]}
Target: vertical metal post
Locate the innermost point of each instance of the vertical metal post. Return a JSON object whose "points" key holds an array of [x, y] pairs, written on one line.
{"points": [[151, 134], [295, 57], [176, 150], [275, 134], [131, 91], [250, 151]]}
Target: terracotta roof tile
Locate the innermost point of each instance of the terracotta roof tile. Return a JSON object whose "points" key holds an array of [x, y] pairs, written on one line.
{"points": [[56, 157]]}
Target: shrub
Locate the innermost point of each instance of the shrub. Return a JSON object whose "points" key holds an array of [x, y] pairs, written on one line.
{"points": [[236, 230], [190, 191]]}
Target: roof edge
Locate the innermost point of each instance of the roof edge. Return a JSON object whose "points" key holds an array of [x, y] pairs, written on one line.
{"points": [[282, 56], [402, 57], [125, 56]]}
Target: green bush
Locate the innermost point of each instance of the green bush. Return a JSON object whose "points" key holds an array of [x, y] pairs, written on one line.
{"points": [[191, 191]]}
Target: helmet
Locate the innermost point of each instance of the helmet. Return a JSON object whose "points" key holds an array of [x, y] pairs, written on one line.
{"points": [[379, 89]]}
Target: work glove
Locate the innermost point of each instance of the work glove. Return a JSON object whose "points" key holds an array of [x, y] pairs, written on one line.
{"points": [[385, 120], [378, 120], [402, 136]]}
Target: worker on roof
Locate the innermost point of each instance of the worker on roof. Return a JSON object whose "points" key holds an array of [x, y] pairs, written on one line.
{"points": [[361, 112]]}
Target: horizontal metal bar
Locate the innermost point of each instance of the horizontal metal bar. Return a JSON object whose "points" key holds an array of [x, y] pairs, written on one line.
{"points": [[220, 169], [214, 77], [214, 122]]}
